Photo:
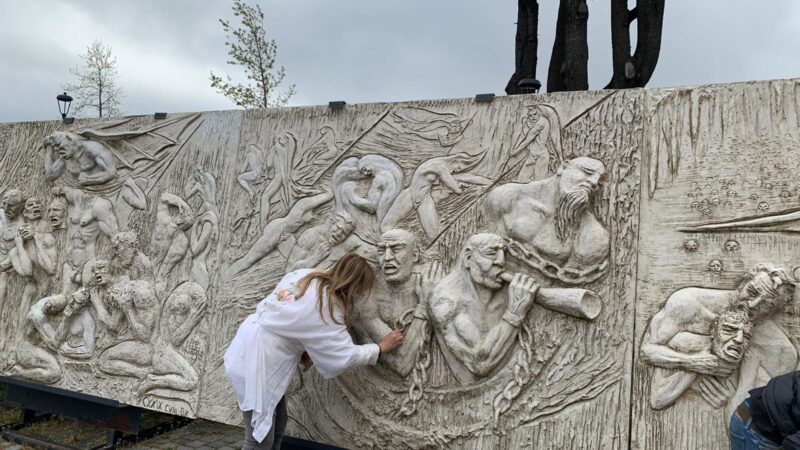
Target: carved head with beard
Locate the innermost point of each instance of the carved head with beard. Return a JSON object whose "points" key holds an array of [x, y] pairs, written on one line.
{"points": [[578, 180], [765, 290]]}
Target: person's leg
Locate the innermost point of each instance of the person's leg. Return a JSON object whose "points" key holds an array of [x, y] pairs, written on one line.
{"points": [[279, 423], [250, 442]]}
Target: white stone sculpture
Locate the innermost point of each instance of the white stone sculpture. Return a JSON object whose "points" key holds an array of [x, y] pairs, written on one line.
{"points": [[160, 236]]}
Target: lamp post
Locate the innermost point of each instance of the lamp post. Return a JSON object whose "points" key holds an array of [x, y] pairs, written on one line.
{"points": [[64, 102], [529, 85]]}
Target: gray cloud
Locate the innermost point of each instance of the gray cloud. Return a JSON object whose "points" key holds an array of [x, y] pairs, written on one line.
{"points": [[363, 50]]}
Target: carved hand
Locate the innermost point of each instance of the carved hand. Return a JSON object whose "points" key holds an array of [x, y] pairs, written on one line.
{"points": [[26, 232], [709, 364], [58, 190], [521, 292], [716, 391], [428, 280]]}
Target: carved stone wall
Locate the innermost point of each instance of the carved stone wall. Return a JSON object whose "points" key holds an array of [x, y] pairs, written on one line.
{"points": [[506, 241]]}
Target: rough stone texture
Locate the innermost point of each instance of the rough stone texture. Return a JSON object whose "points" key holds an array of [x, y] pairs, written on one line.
{"points": [[506, 239]]}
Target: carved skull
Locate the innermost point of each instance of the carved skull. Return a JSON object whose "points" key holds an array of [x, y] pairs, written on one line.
{"points": [[706, 212], [785, 194], [797, 189], [769, 186], [695, 205], [715, 266], [728, 204], [691, 245], [763, 206], [714, 192], [732, 193], [724, 187], [731, 245], [704, 203], [715, 201], [753, 196]]}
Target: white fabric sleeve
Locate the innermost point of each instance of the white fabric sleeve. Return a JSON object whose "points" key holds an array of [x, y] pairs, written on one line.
{"points": [[334, 353]]}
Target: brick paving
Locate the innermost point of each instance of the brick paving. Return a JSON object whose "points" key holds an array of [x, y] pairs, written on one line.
{"points": [[198, 435]]}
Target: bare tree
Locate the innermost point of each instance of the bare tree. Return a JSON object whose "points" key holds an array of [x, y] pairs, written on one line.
{"points": [[569, 61], [527, 41], [570, 58], [249, 48], [634, 70], [96, 88]]}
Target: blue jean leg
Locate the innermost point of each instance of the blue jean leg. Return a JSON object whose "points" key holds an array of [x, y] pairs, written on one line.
{"points": [[744, 437]]}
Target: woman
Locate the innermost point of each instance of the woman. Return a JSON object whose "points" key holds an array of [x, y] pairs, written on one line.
{"points": [[306, 315]]}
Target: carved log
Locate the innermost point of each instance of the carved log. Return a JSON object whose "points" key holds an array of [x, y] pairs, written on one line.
{"points": [[580, 303]]}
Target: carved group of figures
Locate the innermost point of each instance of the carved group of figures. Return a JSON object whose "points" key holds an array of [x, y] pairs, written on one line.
{"points": [[540, 233], [85, 292]]}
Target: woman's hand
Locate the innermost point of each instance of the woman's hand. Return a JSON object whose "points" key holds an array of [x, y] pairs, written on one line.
{"points": [[391, 341]]}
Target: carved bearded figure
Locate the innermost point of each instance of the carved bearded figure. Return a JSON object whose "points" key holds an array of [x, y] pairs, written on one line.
{"points": [[553, 217]]}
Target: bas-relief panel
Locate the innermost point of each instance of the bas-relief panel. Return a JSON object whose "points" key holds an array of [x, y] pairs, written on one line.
{"points": [[503, 236], [108, 242], [716, 308]]}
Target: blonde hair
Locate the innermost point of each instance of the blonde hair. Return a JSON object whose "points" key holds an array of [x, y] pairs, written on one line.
{"points": [[352, 275]]}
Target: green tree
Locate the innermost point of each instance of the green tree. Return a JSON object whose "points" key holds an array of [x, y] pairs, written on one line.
{"points": [[249, 48]]}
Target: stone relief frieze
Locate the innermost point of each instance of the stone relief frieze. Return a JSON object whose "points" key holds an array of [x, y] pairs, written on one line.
{"points": [[505, 236]]}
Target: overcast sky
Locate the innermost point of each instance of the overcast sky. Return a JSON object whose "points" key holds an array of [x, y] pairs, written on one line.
{"points": [[363, 50]]}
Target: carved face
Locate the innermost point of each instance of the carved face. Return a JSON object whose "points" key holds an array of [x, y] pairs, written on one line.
{"points": [[769, 186], [100, 273], [706, 212], [340, 228], [731, 245], [485, 263], [581, 174], [753, 196], [695, 205], [365, 170], [731, 334], [123, 246], [763, 294], [715, 201], [56, 213], [763, 206], [731, 193], [691, 245], [728, 204], [715, 266], [534, 113], [714, 192], [65, 147], [12, 204], [33, 209], [785, 194], [397, 254]]}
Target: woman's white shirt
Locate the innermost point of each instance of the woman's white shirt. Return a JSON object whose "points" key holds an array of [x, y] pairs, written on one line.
{"points": [[264, 354]]}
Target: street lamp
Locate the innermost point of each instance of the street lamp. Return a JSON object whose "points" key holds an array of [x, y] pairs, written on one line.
{"points": [[529, 85], [64, 102]]}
